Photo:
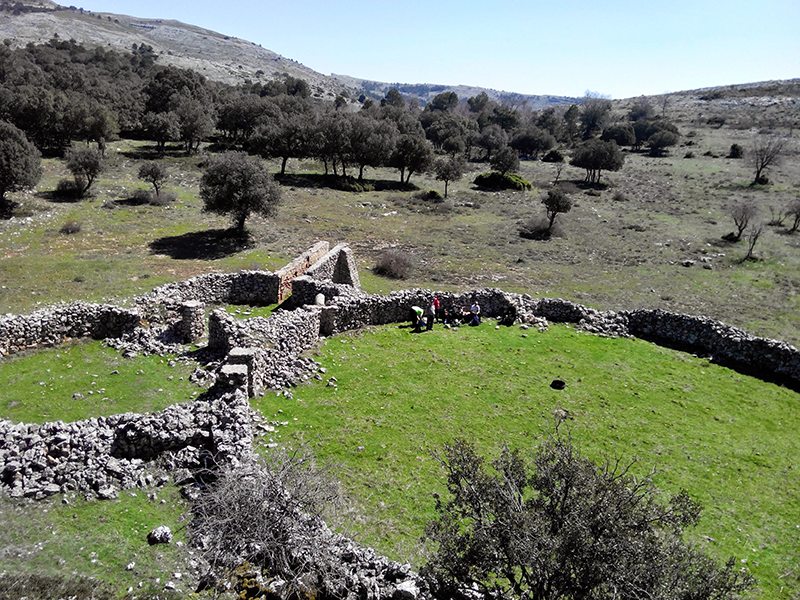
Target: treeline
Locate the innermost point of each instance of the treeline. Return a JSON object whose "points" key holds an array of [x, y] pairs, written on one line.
{"points": [[60, 91]]}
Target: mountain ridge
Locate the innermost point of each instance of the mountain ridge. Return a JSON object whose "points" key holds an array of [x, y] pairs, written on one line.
{"points": [[217, 56], [233, 60]]}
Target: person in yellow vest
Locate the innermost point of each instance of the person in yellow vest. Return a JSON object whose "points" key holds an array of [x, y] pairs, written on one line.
{"points": [[416, 318]]}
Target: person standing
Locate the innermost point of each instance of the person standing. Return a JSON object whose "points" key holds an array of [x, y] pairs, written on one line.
{"points": [[430, 316], [475, 309]]}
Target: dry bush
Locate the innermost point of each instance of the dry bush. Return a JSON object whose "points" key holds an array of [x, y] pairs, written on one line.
{"points": [[269, 515], [443, 208], [569, 187], [538, 228], [70, 227], [393, 263], [141, 196], [620, 196], [429, 195]]}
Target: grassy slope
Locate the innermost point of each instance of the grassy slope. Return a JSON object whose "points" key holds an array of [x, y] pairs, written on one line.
{"points": [[98, 539], [726, 438]]}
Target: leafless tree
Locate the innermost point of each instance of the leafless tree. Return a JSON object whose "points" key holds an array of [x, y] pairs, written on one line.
{"points": [[778, 215], [793, 210], [559, 168], [765, 152], [753, 233], [742, 212]]}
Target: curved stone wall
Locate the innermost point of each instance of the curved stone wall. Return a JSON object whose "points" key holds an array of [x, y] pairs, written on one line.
{"points": [[264, 353], [103, 455]]}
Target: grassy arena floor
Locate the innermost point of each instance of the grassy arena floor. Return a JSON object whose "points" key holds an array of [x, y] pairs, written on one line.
{"points": [[729, 439]]}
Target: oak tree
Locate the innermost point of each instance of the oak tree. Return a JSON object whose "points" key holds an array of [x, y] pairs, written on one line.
{"points": [[555, 526], [236, 184], [20, 163]]}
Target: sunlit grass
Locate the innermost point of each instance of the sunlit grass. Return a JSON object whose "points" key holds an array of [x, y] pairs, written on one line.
{"points": [[727, 438], [86, 379]]}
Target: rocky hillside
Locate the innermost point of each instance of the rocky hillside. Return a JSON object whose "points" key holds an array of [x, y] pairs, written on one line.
{"points": [[217, 56]]}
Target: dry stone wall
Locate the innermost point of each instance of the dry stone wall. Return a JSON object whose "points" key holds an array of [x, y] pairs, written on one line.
{"points": [[244, 287], [100, 456], [56, 324], [762, 357], [337, 266], [262, 353]]}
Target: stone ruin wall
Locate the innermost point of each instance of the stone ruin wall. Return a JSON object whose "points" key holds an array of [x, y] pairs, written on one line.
{"points": [[100, 456], [337, 266], [58, 323], [265, 353], [244, 287], [297, 267]]}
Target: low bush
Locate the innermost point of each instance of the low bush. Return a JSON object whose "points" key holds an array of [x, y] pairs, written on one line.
{"points": [[710, 154], [429, 195], [351, 184], [444, 207], [620, 196], [689, 155], [69, 189], [393, 263], [70, 227], [163, 198], [554, 156], [141, 196], [736, 151], [538, 228], [498, 181]]}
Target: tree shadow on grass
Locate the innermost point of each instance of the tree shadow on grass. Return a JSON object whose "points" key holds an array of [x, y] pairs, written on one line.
{"points": [[346, 184], [151, 152], [722, 242], [211, 244], [60, 198]]}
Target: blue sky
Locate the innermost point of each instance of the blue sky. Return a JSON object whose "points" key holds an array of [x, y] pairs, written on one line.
{"points": [[619, 48]]}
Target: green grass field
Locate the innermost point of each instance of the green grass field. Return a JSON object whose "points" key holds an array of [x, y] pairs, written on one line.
{"points": [[729, 439], [40, 385], [99, 539]]}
